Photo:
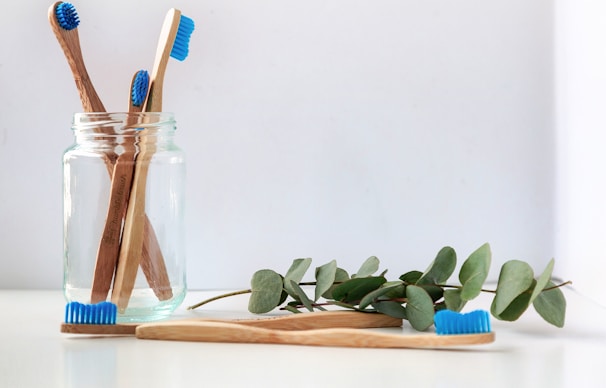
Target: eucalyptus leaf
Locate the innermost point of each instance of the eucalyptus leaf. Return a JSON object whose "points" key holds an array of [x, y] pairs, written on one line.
{"points": [[295, 273], [353, 290], [474, 272], [419, 308], [514, 309], [292, 309], [411, 277], [340, 276], [266, 290], [453, 300], [381, 291], [325, 277], [542, 281], [515, 278], [393, 309], [301, 295], [441, 268], [551, 305], [436, 293], [368, 268]]}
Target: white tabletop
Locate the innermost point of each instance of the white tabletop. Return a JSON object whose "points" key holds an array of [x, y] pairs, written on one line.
{"points": [[526, 353]]}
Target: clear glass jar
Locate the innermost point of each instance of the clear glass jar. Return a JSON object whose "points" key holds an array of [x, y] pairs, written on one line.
{"points": [[123, 197]]}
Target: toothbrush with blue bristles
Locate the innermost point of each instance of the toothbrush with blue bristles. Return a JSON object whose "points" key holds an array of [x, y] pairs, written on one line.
{"points": [[64, 21], [174, 41]]}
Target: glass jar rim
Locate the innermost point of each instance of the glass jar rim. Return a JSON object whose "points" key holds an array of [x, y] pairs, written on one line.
{"points": [[122, 121]]}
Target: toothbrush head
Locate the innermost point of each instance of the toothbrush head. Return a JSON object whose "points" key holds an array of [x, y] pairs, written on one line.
{"points": [[449, 322], [139, 88], [67, 17], [93, 314], [180, 48]]}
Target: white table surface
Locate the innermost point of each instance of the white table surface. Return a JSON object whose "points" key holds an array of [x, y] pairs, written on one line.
{"points": [[526, 353]]}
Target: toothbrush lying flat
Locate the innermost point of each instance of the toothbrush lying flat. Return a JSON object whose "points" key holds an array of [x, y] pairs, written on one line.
{"points": [[102, 320], [344, 337], [174, 40]]}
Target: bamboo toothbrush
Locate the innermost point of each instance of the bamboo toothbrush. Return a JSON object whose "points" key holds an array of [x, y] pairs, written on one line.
{"points": [[64, 21], [174, 41], [122, 177], [343, 337], [152, 261], [100, 319], [475, 326]]}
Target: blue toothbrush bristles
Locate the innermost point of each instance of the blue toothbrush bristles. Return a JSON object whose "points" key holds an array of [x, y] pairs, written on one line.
{"points": [[180, 48], [140, 88], [103, 313], [450, 322], [67, 17]]}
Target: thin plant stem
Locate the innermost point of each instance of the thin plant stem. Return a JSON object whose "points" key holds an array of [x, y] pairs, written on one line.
{"points": [[219, 297]]}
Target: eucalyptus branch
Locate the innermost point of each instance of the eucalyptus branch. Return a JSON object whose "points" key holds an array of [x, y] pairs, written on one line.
{"points": [[427, 291]]}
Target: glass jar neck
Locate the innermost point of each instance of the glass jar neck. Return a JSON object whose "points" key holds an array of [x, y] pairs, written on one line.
{"points": [[115, 126]]}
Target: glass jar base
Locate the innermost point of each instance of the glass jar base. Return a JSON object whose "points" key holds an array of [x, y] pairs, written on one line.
{"points": [[144, 306]]}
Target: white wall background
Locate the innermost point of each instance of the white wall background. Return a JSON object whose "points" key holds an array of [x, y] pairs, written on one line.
{"points": [[581, 135], [331, 129]]}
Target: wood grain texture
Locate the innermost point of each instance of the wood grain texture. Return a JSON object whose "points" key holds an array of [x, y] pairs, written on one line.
{"points": [[339, 337], [166, 40], [304, 321], [70, 43]]}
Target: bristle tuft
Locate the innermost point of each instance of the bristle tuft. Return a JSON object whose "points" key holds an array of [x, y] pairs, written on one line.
{"points": [[67, 17], [180, 49], [103, 313], [449, 322], [140, 88]]}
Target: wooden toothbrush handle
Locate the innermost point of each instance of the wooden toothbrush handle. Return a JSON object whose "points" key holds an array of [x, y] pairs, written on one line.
{"points": [[342, 337], [305, 321], [152, 261], [324, 319], [109, 245], [134, 228]]}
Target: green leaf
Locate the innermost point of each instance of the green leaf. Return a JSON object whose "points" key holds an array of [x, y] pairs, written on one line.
{"points": [[325, 277], [411, 277], [301, 295], [295, 273], [340, 276], [436, 293], [441, 268], [353, 290], [551, 305], [381, 291], [393, 309], [515, 278], [474, 272], [453, 300], [266, 286], [543, 280], [514, 309], [369, 267], [292, 309], [419, 308]]}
